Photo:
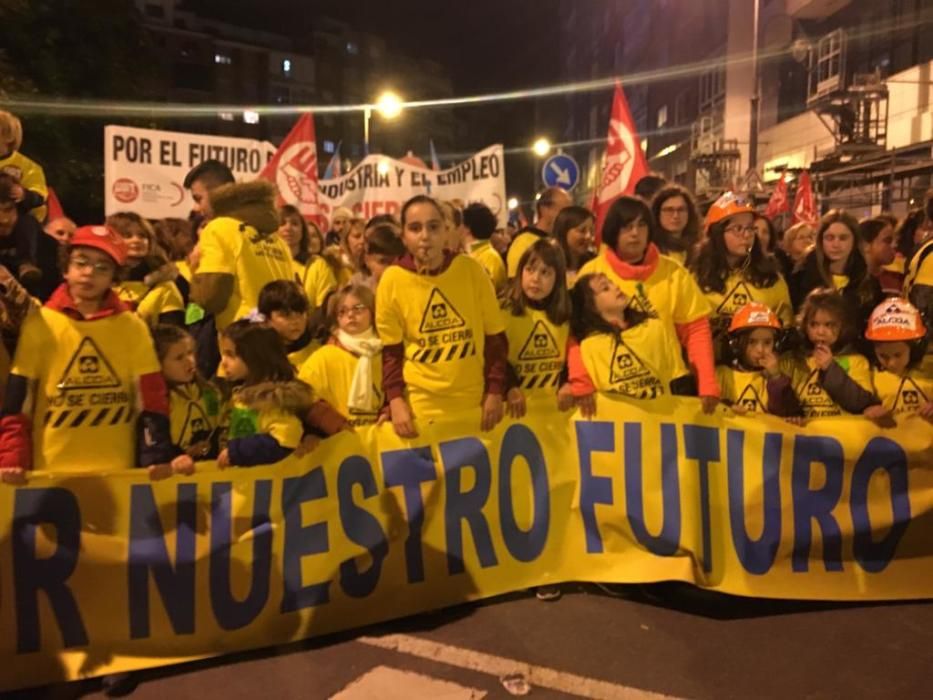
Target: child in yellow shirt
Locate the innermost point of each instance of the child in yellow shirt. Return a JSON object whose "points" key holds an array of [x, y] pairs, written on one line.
{"points": [[754, 381], [897, 332], [623, 351], [194, 404], [268, 402], [830, 379], [284, 306], [537, 319], [347, 371]]}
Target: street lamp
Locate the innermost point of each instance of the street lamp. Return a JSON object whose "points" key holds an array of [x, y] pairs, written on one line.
{"points": [[513, 203], [541, 147], [389, 105]]}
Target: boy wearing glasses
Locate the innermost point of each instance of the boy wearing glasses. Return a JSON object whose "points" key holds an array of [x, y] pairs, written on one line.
{"points": [[85, 391]]}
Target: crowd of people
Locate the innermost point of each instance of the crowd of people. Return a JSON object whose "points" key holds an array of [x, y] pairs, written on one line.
{"points": [[248, 333]]}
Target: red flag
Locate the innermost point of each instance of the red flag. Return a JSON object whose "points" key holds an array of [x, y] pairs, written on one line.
{"points": [[625, 163], [293, 169], [804, 204], [778, 204], [55, 207]]}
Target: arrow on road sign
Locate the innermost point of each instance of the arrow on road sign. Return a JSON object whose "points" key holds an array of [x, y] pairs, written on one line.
{"points": [[563, 175]]}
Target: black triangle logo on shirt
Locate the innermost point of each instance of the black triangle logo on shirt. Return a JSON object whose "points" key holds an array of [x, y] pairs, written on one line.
{"points": [[627, 366], [440, 314], [88, 369], [640, 302], [750, 400], [540, 344], [910, 397], [735, 299], [196, 427]]}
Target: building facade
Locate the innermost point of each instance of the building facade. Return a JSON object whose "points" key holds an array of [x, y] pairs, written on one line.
{"points": [[844, 90]]}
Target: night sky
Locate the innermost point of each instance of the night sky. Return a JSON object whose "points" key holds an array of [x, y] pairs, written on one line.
{"points": [[484, 46]]}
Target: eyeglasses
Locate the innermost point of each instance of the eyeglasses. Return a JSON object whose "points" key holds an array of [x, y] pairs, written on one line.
{"points": [[355, 310], [749, 230], [98, 268], [679, 211]]}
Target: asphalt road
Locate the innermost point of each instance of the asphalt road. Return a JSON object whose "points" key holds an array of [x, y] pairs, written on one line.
{"points": [[664, 640]]}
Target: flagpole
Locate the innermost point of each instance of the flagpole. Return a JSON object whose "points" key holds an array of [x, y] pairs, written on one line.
{"points": [[367, 113]]}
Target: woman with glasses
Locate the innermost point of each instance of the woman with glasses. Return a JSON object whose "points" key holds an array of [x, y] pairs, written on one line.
{"points": [[678, 222], [732, 268]]}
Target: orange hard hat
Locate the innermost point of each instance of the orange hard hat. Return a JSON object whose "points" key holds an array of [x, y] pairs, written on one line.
{"points": [[895, 319], [754, 315], [729, 204]]}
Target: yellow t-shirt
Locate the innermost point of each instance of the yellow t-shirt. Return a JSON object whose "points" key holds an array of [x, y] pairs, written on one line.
{"points": [[184, 269], [85, 375], [920, 272], [537, 352], [150, 303], [903, 395], [253, 262], [814, 400], [739, 292], [330, 371], [194, 414], [639, 363], [246, 421], [840, 282], [522, 242], [299, 357], [317, 279], [678, 255], [442, 321], [669, 294], [30, 176], [489, 258]]}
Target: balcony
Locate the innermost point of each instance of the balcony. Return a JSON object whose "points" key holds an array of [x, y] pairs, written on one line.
{"points": [[814, 9]]}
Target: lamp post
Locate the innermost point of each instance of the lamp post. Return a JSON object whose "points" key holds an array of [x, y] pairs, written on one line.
{"points": [[756, 96], [389, 105]]}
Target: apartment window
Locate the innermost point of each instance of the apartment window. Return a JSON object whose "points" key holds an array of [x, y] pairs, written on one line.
{"points": [[286, 67], [223, 59], [827, 67], [353, 48], [712, 88], [250, 117], [681, 107], [329, 146], [225, 116], [662, 116]]}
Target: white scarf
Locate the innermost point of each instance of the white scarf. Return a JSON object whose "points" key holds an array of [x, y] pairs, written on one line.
{"points": [[362, 398]]}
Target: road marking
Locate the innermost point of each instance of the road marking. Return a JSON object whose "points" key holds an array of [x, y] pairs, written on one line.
{"points": [[500, 666], [388, 683]]}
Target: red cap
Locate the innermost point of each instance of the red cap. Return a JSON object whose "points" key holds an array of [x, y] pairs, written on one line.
{"points": [[104, 239]]}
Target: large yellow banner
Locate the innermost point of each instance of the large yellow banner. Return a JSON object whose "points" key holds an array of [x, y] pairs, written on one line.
{"points": [[107, 572]]}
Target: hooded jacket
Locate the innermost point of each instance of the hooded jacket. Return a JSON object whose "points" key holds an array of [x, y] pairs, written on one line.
{"points": [[265, 424]]}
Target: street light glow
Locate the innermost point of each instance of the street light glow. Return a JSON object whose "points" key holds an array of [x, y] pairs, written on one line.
{"points": [[389, 105], [541, 147], [383, 167], [513, 203]]}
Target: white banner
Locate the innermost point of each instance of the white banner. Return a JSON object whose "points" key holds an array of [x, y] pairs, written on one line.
{"points": [[380, 185], [144, 168]]}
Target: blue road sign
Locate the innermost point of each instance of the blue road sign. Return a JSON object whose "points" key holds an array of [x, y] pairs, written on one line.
{"points": [[561, 170]]}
